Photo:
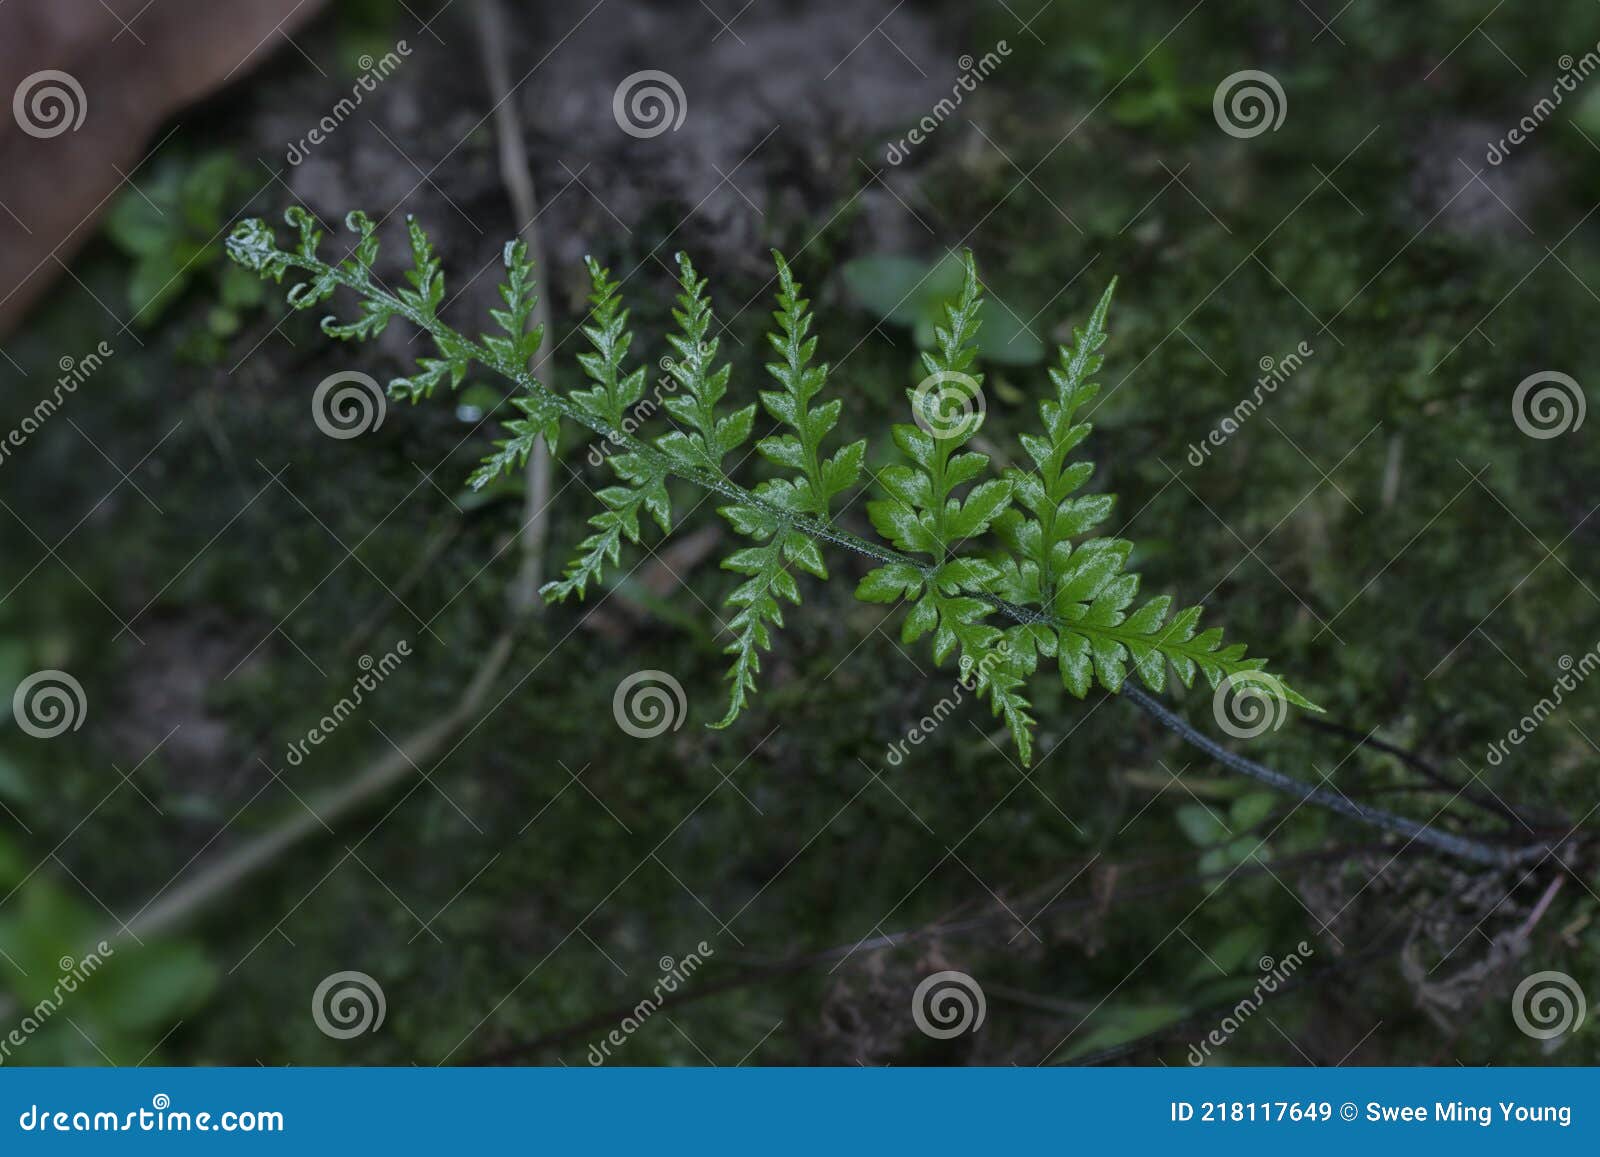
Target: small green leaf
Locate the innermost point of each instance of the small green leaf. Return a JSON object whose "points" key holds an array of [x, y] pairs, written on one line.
{"points": [[889, 583], [1250, 809], [1202, 825]]}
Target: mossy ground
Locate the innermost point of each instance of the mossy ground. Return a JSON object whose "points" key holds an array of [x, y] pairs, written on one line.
{"points": [[1381, 528]]}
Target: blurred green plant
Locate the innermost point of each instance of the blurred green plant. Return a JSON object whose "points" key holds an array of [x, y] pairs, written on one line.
{"points": [[912, 293], [76, 998], [170, 225]]}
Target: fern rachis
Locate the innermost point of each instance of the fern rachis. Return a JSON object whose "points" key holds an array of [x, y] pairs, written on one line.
{"points": [[995, 567]]}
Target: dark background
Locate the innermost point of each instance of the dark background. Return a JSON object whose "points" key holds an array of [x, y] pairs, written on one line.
{"points": [[210, 567]]}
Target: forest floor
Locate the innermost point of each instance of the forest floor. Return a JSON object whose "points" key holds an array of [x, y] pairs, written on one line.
{"points": [[213, 568]]}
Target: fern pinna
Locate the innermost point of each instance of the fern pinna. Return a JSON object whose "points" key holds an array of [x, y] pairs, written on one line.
{"points": [[996, 567]]}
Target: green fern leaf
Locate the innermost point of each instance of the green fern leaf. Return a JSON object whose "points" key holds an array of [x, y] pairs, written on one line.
{"points": [[516, 348], [644, 476], [932, 511], [427, 282], [998, 572], [376, 311], [809, 489], [614, 392], [1083, 585], [512, 352], [705, 437]]}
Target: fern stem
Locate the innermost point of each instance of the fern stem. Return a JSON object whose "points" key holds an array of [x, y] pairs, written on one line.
{"points": [[1447, 842], [823, 530]]}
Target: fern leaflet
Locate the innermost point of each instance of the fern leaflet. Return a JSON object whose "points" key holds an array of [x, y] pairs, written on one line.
{"points": [[996, 569]]}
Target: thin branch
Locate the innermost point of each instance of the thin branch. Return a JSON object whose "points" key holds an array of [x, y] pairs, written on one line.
{"points": [[219, 877], [1487, 802], [358, 279], [517, 174], [215, 878], [1447, 842]]}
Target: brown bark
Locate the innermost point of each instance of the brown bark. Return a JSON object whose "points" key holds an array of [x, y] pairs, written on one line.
{"points": [[133, 65]]}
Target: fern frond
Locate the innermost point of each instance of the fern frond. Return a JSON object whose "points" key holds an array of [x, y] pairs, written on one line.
{"points": [[710, 437], [375, 312], [606, 405], [809, 489], [1083, 586], [424, 276], [998, 570], [514, 350], [517, 343], [819, 480], [615, 392], [931, 512], [644, 489]]}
